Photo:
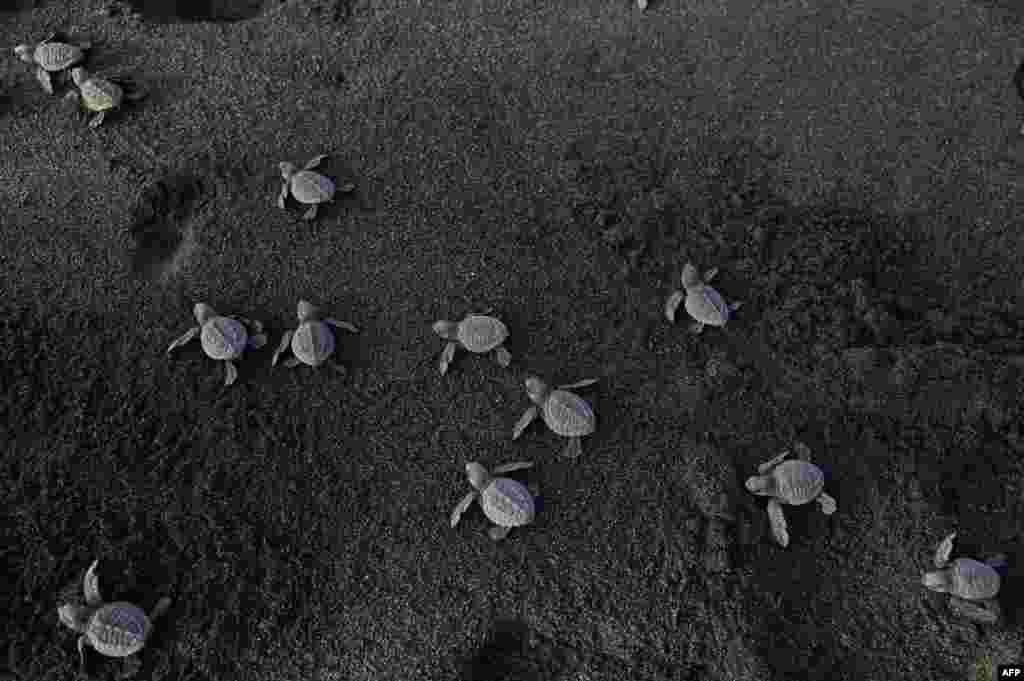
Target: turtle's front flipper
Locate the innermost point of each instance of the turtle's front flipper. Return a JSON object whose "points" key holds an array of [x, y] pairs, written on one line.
{"points": [[341, 325], [526, 419], [503, 356], [97, 120], [672, 304], [578, 384], [230, 372], [777, 519], [43, 76], [83, 643], [944, 550], [91, 585], [509, 467], [447, 355], [827, 504], [286, 339], [283, 195], [185, 338], [314, 162], [310, 213], [984, 612], [771, 463], [461, 507], [497, 533], [573, 449]]}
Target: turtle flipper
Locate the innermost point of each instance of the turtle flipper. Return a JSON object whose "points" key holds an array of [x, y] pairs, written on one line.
{"points": [[230, 372], [314, 162], [526, 419], [91, 585], [43, 76], [777, 519], [162, 606], [710, 274], [503, 356], [184, 338], [944, 550], [461, 507], [83, 643], [578, 384], [513, 466], [310, 213], [286, 339], [97, 120], [984, 612], [341, 325], [827, 503], [573, 449], [771, 463], [447, 355], [672, 304], [497, 533], [283, 195]]}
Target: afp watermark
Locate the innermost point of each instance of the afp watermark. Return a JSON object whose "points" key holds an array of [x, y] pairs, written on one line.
{"points": [[1010, 671]]}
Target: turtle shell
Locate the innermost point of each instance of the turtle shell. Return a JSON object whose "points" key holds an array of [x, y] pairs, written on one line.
{"points": [[57, 56], [798, 482], [100, 95], [312, 343], [224, 338], [507, 503], [568, 414], [972, 579], [707, 305], [118, 629], [310, 187], [480, 333]]}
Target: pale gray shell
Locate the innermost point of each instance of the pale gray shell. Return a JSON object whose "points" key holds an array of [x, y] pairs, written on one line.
{"points": [[480, 333], [568, 414], [310, 187], [707, 305], [972, 579], [224, 338], [118, 629], [57, 56], [313, 343], [100, 95], [797, 482], [507, 503]]}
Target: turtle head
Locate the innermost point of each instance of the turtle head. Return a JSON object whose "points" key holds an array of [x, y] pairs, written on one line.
{"points": [[307, 311], [287, 169], [477, 474], [691, 277], [203, 313], [79, 75], [447, 330], [936, 580], [761, 485], [74, 616], [537, 390], [24, 53]]}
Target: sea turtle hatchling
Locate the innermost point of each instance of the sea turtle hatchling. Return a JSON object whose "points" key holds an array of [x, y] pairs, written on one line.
{"points": [[223, 338], [703, 303], [476, 333], [100, 95], [308, 187], [118, 629], [793, 483], [506, 502], [972, 585], [312, 342], [50, 57], [565, 413]]}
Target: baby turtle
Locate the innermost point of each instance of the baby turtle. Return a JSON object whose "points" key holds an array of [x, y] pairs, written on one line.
{"points": [[476, 333], [506, 502], [100, 95], [793, 483], [308, 187], [312, 342], [223, 338], [703, 303], [116, 629], [565, 413], [51, 56], [972, 585]]}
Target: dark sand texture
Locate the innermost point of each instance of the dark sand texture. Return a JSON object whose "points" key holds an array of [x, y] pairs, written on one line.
{"points": [[854, 169]]}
